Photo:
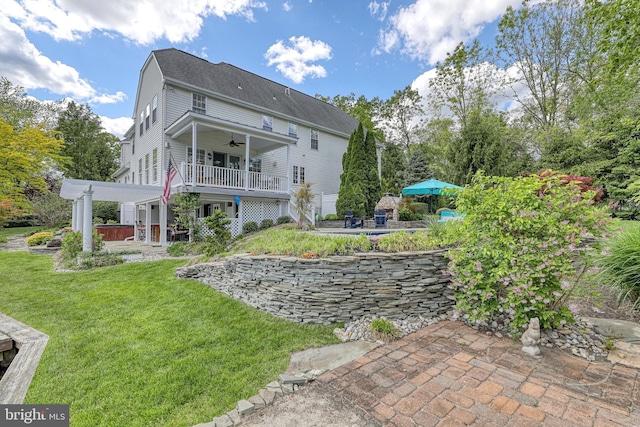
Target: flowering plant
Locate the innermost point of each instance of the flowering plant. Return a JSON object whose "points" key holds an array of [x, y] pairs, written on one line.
{"points": [[519, 236]]}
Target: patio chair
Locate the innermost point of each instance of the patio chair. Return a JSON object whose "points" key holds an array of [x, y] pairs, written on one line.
{"points": [[380, 218], [348, 219]]}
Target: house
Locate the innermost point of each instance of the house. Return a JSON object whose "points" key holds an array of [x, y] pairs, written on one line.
{"points": [[241, 141]]}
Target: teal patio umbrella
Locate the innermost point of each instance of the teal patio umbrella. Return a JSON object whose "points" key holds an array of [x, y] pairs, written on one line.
{"points": [[432, 186]]}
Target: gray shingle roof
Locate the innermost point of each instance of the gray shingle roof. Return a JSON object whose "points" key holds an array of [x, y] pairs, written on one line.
{"points": [[224, 79]]}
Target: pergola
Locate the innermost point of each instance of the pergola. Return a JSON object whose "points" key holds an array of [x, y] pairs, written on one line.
{"points": [[84, 192]]}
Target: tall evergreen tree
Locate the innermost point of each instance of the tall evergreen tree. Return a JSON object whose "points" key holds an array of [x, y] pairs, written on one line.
{"points": [[393, 166], [359, 183], [417, 168]]}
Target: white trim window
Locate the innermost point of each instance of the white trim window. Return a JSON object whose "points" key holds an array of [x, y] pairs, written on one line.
{"points": [[141, 122], [155, 164], [146, 168], [200, 153], [140, 171], [147, 116], [298, 175], [293, 129], [314, 139], [154, 109], [267, 122], [199, 103]]}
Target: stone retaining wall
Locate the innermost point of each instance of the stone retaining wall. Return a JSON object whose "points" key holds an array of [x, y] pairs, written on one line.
{"points": [[334, 289]]}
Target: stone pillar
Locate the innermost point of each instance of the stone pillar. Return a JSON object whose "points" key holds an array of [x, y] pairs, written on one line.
{"points": [[87, 223]]}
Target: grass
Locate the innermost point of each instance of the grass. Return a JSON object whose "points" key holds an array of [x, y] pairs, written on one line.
{"points": [[288, 240], [16, 231], [131, 345]]}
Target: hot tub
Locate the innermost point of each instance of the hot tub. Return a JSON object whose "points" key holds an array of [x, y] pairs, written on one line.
{"points": [[114, 232]]}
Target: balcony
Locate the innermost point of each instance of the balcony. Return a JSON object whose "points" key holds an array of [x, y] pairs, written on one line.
{"points": [[217, 177]]}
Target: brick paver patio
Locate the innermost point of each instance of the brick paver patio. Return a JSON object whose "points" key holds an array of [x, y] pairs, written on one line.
{"points": [[448, 374]]}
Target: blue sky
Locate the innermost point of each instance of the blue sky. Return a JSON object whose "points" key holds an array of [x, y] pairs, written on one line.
{"points": [[92, 50]]}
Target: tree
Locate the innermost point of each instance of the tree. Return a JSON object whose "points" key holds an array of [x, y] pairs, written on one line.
{"points": [[302, 201], [26, 154], [401, 114], [371, 179], [464, 83], [22, 112], [393, 167], [185, 213], [92, 151], [417, 168], [367, 112], [481, 145]]}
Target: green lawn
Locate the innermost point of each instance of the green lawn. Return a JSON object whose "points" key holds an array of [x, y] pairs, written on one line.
{"points": [[131, 345]]}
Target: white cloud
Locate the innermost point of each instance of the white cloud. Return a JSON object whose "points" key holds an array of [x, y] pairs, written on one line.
{"points": [[287, 6], [428, 29], [295, 61], [108, 99], [141, 21], [379, 10], [25, 66], [117, 126]]}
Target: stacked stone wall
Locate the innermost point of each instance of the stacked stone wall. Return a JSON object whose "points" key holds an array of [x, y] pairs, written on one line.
{"points": [[334, 289]]}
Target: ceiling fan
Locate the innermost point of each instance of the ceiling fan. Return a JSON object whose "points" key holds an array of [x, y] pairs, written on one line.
{"points": [[233, 143]]}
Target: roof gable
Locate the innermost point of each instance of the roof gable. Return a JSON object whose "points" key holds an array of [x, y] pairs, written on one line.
{"points": [[236, 83]]}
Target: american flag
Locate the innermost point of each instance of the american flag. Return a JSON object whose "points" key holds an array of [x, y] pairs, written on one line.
{"points": [[166, 193]]}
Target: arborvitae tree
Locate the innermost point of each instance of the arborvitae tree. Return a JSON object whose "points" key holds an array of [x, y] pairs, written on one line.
{"points": [[360, 185], [372, 179], [417, 168]]}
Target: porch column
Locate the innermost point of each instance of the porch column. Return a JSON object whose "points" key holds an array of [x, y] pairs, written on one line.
{"points": [[147, 223], [246, 164], [79, 214], [288, 168], [194, 148], [87, 225], [163, 224]]}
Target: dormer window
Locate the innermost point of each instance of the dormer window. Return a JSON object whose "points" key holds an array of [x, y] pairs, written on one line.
{"points": [[267, 122], [199, 104]]}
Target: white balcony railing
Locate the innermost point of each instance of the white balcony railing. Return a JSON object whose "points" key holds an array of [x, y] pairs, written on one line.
{"points": [[214, 176]]}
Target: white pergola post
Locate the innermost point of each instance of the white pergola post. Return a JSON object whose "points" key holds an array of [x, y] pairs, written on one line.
{"points": [[87, 225], [74, 212], [79, 214]]}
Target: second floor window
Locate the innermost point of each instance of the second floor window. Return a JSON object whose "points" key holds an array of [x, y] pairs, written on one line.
{"points": [[146, 117], [293, 129], [199, 104], [139, 171], [154, 109], [267, 122], [314, 139], [141, 122], [295, 175], [199, 156]]}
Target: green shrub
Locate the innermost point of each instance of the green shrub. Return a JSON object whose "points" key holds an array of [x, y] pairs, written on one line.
{"points": [[619, 265], [72, 243], [519, 238], [266, 223], [331, 217], [250, 227], [405, 214], [39, 238], [218, 224], [384, 330], [98, 259], [285, 219]]}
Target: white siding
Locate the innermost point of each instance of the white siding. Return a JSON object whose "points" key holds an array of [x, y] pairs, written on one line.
{"points": [[150, 85]]}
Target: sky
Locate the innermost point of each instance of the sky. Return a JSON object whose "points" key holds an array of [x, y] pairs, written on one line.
{"points": [[92, 51]]}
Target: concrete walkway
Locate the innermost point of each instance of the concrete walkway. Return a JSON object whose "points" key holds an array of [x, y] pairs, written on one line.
{"points": [[448, 374]]}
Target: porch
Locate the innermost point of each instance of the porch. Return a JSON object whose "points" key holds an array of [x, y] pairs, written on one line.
{"points": [[221, 177]]}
